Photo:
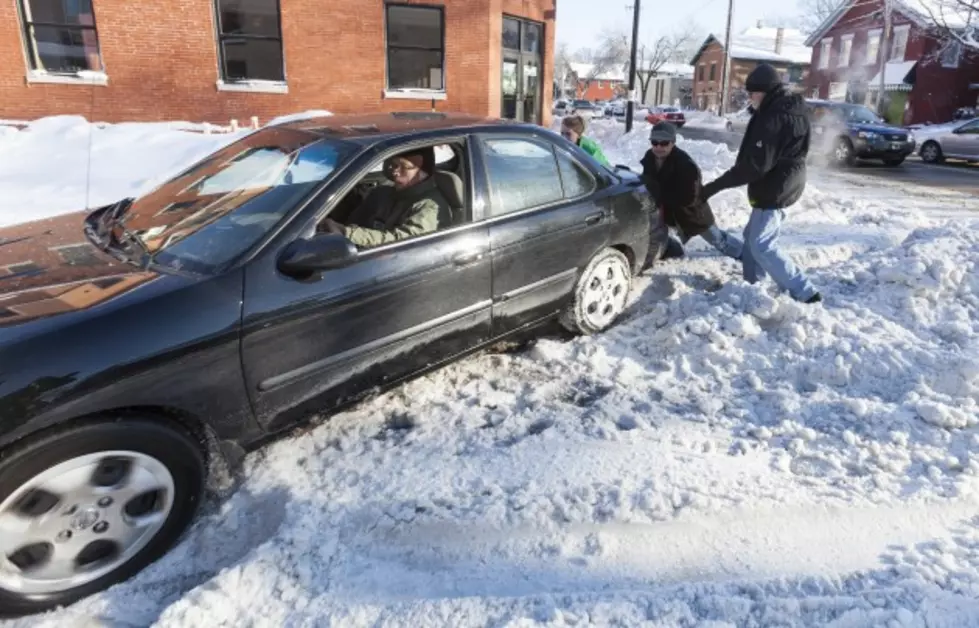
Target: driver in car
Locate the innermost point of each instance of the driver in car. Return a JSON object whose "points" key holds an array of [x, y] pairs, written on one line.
{"points": [[411, 207]]}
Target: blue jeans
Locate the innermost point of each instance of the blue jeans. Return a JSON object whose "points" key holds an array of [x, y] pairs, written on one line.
{"points": [[727, 243], [762, 257]]}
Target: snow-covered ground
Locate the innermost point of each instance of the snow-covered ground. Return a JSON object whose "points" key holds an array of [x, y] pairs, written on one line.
{"points": [[723, 457]]}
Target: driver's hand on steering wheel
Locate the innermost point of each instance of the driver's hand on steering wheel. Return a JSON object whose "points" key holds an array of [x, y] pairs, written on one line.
{"points": [[331, 226]]}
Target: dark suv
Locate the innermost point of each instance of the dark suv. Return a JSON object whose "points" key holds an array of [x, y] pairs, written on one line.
{"points": [[845, 132]]}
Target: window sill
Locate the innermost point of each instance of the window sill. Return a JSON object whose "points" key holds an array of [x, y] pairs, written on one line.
{"points": [[413, 94], [258, 87], [86, 78]]}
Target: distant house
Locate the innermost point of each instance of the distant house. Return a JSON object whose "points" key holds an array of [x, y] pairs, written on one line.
{"points": [[671, 85], [783, 48], [926, 77], [592, 84]]}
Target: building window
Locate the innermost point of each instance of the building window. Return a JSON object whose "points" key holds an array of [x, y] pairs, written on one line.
{"points": [[846, 47], [951, 54], [599, 85], [873, 46], [713, 71], [899, 43], [250, 40], [825, 46], [61, 36], [700, 72], [415, 47]]}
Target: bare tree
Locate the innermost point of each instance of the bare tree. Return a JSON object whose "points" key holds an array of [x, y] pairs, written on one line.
{"points": [[609, 57], [812, 13], [562, 69], [950, 21], [672, 48]]}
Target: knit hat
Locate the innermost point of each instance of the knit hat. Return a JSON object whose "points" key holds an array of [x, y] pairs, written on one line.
{"points": [[662, 132], [764, 78], [575, 123]]}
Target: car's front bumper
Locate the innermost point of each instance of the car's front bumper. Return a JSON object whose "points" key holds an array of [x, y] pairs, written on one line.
{"points": [[882, 148]]}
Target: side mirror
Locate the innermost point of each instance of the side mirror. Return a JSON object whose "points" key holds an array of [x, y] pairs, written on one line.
{"points": [[323, 251]]}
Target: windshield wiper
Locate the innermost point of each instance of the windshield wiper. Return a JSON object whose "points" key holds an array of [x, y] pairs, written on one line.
{"points": [[104, 236]]}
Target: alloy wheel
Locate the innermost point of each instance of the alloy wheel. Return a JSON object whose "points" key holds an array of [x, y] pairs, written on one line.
{"points": [[607, 289]]}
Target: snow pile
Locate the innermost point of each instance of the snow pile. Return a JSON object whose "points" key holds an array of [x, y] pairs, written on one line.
{"points": [[706, 120], [45, 167], [724, 456], [295, 117]]}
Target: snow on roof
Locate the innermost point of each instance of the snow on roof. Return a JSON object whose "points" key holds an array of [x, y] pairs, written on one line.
{"points": [[894, 73], [947, 13], [676, 69], [758, 43], [585, 70]]}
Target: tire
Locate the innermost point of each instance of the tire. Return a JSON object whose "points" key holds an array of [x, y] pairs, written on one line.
{"points": [[897, 161], [931, 153], [843, 154], [140, 477], [600, 294]]}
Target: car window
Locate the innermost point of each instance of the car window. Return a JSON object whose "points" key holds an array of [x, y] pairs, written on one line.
{"points": [[215, 210], [575, 179], [522, 174], [970, 128]]}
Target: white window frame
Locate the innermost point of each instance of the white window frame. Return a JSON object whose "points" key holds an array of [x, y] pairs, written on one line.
{"points": [[874, 34], [825, 52], [955, 45], [905, 30], [845, 40]]}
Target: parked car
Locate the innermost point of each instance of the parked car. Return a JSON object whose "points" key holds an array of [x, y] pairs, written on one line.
{"points": [[738, 121], [957, 140], [147, 340], [672, 115], [848, 132], [965, 113], [586, 109], [561, 107]]}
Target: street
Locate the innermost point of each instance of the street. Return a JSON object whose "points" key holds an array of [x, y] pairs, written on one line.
{"points": [[955, 176]]}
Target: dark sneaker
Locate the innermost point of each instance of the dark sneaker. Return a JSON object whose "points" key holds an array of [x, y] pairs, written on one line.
{"points": [[816, 298]]}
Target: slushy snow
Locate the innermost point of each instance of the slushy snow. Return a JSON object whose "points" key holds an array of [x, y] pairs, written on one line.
{"points": [[722, 457]]}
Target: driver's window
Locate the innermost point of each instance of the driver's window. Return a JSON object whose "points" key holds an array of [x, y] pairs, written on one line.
{"points": [[971, 128], [404, 195]]}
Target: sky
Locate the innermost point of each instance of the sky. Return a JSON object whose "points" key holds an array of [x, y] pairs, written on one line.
{"points": [[580, 23]]}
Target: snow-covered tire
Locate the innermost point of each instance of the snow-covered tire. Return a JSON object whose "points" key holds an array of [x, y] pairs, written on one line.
{"points": [[931, 153], [843, 153], [600, 294], [93, 505]]}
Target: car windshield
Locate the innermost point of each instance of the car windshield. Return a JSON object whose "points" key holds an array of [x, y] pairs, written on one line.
{"points": [[859, 113], [214, 211]]}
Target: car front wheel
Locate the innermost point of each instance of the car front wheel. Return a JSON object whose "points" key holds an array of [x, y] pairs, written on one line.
{"points": [[91, 505], [931, 153], [600, 295], [843, 153]]}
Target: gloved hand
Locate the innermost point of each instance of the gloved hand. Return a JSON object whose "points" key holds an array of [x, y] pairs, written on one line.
{"points": [[708, 190]]}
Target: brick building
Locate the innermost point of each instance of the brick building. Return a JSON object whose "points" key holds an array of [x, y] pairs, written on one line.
{"points": [[591, 84], [926, 77], [782, 48], [216, 60]]}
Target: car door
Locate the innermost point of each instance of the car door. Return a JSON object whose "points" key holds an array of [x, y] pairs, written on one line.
{"points": [[964, 141], [545, 223], [311, 344]]}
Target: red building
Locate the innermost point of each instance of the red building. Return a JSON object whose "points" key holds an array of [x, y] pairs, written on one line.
{"points": [[593, 85], [926, 76], [214, 60]]}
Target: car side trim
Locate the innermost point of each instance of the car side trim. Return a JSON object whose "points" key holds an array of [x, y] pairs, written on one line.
{"points": [[370, 347], [537, 285]]}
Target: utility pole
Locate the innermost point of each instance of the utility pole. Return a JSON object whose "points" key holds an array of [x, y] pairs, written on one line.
{"points": [[885, 50], [726, 68], [630, 106]]}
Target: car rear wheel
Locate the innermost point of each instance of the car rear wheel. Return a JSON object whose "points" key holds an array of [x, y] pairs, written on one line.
{"points": [[843, 153], [91, 505], [931, 153], [600, 295], [897, 161]]}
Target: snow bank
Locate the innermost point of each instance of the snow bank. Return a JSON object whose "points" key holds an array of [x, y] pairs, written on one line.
{"points": [[724, 456], [305, 115]]}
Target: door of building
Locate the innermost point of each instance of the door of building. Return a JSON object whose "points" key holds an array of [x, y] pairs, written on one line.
{"points": [[522, 70]]}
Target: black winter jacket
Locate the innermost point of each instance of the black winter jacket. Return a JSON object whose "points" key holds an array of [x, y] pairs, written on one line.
{"points": [[676, 187], [772, 158]]}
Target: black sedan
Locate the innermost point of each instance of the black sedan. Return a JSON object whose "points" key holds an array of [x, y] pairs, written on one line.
{"points": [[151, 341]]}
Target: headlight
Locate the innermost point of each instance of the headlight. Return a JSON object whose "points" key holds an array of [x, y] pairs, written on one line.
{"points": [[866, 135]]}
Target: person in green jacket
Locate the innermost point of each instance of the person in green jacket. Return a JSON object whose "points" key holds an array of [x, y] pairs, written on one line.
{"points": [[411, 207], [573, 129]]}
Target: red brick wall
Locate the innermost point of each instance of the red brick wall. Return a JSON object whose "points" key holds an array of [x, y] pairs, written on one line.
{"points": [[162, 62], [599, 89], [706, 92]]}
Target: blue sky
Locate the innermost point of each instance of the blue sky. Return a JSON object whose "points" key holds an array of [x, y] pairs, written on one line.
{"points": [[581, 22]]}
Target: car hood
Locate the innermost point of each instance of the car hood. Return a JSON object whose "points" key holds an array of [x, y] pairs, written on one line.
{"points": [[876, 128], [49, 268]]}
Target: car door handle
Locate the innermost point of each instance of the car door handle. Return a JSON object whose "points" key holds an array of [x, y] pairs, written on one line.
{"points": [[594, 219], [466, 259]]}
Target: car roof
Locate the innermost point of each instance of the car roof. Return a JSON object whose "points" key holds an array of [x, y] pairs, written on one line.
{"points": [[372, 127]]}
